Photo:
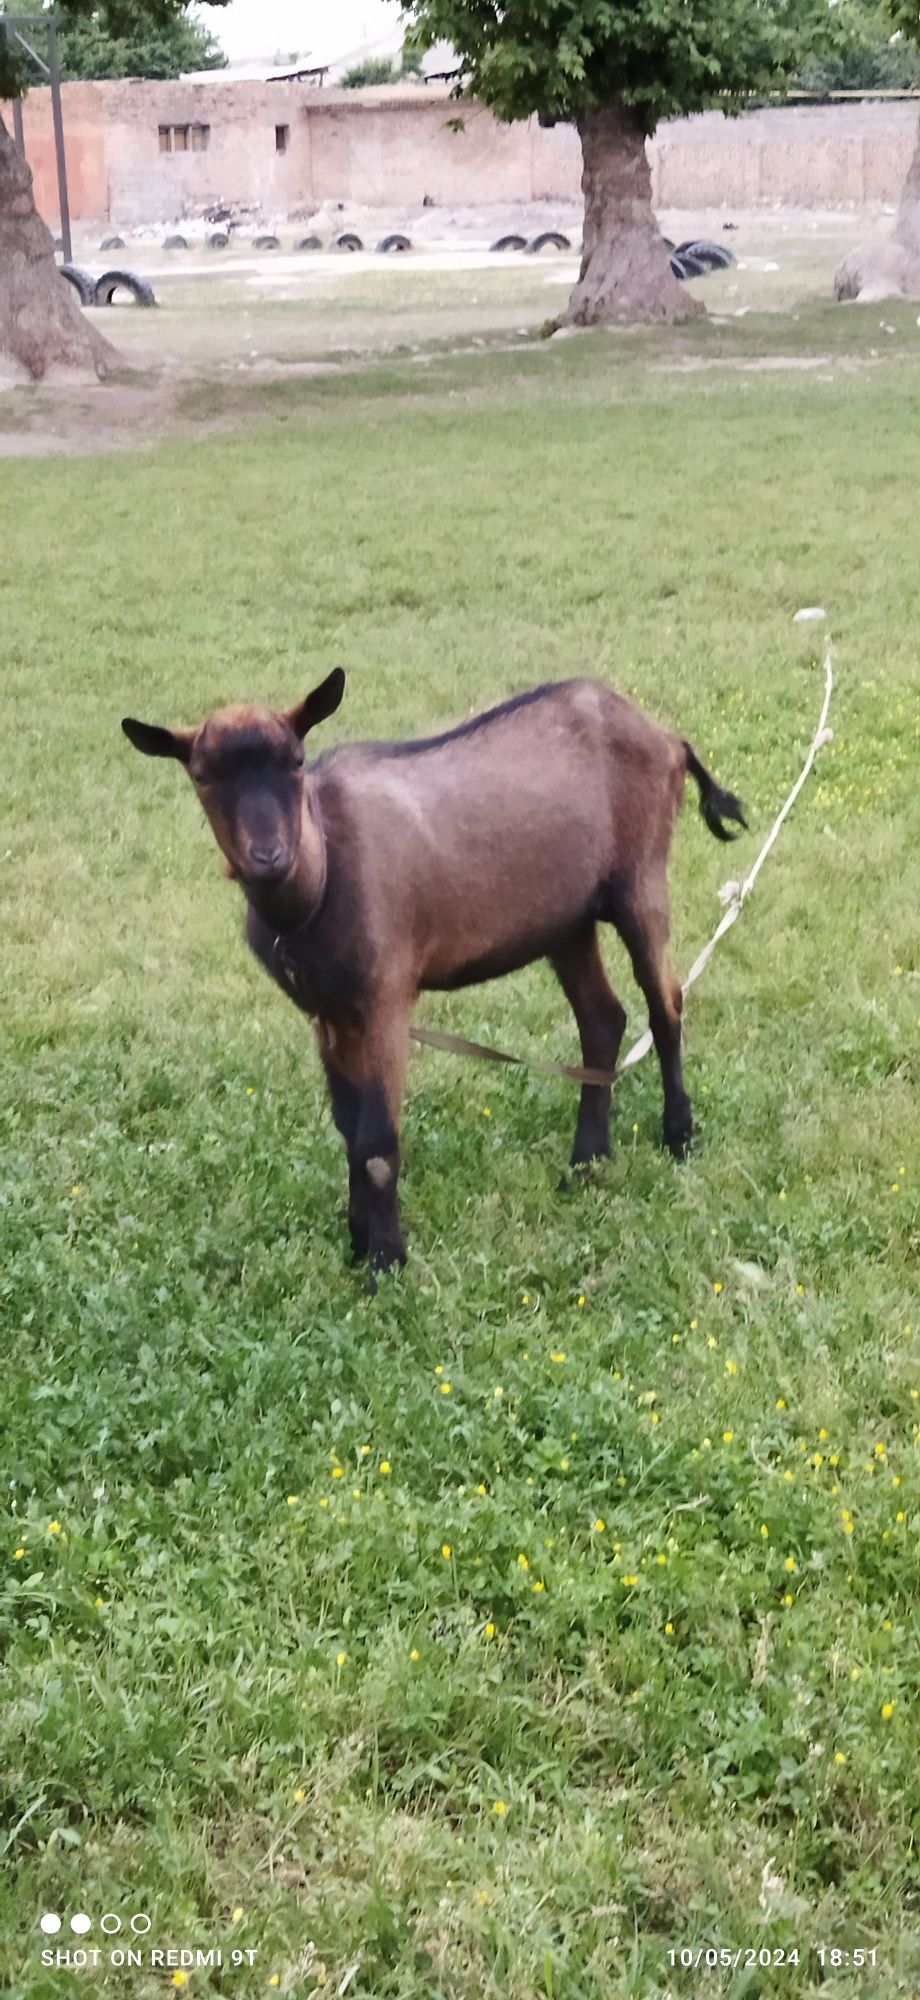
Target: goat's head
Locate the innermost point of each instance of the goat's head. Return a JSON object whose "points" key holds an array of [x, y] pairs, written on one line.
{"points": [[247, 766]]}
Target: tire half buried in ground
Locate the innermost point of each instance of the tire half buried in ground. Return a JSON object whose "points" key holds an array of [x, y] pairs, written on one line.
{"points": [[509, 243], [124, 281], [394, 242], [550, 239], [83, 282]]}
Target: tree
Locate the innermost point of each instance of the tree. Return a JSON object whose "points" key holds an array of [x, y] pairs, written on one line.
{"points": [[89, 49], [381, 69], [41, 325], [890, 269], [614, 68]]}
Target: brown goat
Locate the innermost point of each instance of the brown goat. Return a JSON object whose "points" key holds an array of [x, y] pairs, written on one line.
{"points": [[387, 868]]}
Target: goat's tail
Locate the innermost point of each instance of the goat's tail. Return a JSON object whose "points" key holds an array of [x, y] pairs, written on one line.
{"points": [[716, 805]]}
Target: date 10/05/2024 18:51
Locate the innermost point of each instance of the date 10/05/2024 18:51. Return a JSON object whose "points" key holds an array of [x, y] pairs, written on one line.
{"points": [[747, 1958]]}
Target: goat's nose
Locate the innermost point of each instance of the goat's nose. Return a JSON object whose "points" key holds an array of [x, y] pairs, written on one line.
{"points": [[268, 857]]}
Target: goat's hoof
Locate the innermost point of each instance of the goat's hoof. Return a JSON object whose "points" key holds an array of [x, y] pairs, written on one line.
{"points": [[678, 1134], [390, 1256], [580, 1169]]}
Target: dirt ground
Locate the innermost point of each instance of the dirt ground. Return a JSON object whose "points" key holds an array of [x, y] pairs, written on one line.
{"points": [[240, 317]]}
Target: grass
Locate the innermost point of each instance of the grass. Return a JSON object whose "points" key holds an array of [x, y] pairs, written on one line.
{"points": [[556, 1608]]}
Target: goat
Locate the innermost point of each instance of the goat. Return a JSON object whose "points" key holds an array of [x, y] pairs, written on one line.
{"points": [[385, 869]]}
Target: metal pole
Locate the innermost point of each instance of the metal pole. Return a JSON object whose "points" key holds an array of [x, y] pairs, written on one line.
{"points": [[18, 133], [54, 67]]}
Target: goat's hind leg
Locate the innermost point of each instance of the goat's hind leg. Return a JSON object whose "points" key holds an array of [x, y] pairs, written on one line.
{"points": [[601, 1020], [643, 921]]}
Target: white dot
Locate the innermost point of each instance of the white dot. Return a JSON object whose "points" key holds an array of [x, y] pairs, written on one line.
{"points": [[140, 1923], [111, 1923], [50, 1923], [81, 1923]]}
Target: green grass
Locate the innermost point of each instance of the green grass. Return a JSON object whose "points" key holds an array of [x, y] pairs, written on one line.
{"points": [[236, 1681]]}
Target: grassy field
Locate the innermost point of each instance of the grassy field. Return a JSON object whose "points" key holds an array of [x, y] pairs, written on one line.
{"points": [[556, 1609]]}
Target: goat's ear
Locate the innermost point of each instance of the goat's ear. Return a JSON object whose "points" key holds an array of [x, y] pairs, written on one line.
{"points": [[324, 701], [155, 742]]}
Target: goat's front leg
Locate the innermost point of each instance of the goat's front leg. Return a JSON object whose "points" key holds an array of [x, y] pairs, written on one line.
{"points": [[366, 1068]]}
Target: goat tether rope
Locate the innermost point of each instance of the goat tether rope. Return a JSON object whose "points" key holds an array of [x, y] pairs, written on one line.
{"points": [[733, 894]]}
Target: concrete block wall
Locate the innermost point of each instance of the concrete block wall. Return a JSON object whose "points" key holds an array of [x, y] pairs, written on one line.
{"points": [[391, 147]]}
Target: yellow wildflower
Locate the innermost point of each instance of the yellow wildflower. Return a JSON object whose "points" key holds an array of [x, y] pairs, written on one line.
{"points": [[887, 1710], [499, 1807], [385, 1465], [340, 1659], [446, 1551]]}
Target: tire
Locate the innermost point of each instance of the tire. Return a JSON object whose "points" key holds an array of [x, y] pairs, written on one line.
{"points": [[218, 239], [509, 243], [266, 242], [712, 256], [347, 241], [113, 281], [676, 266], [174, 243], [112, 243], [84, 285], [666, 240], [690, 267], [309, 243], [394, 242], [550, 237]]}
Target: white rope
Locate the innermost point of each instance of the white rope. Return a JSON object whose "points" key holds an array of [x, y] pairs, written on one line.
{"points": [[735, 894]]}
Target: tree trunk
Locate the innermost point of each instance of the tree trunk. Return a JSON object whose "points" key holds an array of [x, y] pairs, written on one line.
{"points": [[625, 269], [889, 269], [907, 221], [41, 323]]}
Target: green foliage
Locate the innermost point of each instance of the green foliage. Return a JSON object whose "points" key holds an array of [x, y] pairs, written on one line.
{"points": [[867, 52], [90, 49], [662, 56], [188, 1362], [123, 38], [376, 69], [380, 69]]}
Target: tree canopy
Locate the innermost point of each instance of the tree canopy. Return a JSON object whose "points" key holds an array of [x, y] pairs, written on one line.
{"points": [[89, 48], [143, 23], [661, 58]]}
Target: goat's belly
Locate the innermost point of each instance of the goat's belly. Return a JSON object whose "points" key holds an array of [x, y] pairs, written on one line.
{"points": [[465, 960]]}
